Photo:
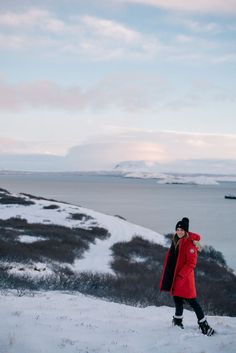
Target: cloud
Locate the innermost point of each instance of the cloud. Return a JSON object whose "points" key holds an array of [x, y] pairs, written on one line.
{"points": [[34, 17], [35, 94], [204, 6], [225, 58], [90, 36], [25, 42], [129, 92], [106, 154], [182, 144], [15, 42], [9, 145], [111, 29], [106, 151], [103, 39], [133, 93], [203, 26]]}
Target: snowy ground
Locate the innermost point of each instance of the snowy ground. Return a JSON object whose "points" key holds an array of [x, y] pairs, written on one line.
{"points": [[99, 256], [54, 322]]}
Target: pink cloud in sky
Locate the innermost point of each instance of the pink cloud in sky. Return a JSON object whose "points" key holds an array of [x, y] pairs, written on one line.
{"points": [[9, 145], [107, 154], [133, 94], [172, 145], [42, 93], [136, 92]]}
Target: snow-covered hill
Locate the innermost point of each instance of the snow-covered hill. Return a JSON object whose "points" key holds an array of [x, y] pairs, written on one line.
{"points": [[182, 172], [54, 322], [62, 214]]}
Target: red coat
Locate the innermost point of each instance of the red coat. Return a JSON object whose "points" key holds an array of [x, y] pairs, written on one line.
{"points": [[183, 284]]}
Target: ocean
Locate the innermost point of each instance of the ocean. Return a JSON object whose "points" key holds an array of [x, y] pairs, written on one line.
{"points": [[144, 202]]}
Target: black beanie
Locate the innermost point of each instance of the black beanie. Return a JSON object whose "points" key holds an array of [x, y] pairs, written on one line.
{"points": [[184, 224]]}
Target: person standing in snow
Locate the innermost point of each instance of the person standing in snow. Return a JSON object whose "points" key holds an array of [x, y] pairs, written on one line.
{"points": [[178, 275]]}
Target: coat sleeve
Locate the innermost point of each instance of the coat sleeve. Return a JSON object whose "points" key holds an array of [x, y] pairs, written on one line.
{"points": [[190, 263]]}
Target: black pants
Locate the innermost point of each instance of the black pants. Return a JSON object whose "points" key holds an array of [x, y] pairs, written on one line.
{"points": [[179, 307]]}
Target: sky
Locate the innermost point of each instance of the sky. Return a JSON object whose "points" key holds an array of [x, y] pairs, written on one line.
{"points": [[87, 84]]}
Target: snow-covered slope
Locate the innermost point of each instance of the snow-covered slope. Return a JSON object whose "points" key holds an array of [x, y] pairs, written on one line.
{"points": [[98, 257], [54, 322], [163, 174]]}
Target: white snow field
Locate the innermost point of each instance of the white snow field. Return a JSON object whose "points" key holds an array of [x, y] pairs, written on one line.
{"points": [[54, 322], [98, 257]]}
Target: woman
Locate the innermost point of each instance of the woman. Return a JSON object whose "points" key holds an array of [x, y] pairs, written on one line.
{"points": [[178, 275]]}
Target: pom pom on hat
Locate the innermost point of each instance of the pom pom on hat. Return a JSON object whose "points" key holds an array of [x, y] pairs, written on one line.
{"points": [[184, 224]]}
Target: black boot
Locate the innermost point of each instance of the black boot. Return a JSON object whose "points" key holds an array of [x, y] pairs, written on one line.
{"points": [[205, 328], [177, 322]]}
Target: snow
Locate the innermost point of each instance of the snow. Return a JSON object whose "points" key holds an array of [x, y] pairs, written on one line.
{"points": [[136, 258], [174, 179], [119, 229], [220, 167], [53, 322], [193, 180], [32, 270], [164, 178], [143, 175], [154, 170], [29, 239]]}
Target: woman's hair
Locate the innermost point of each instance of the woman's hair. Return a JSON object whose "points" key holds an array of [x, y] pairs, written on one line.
{"points": [[176, 239], [198, 245]]}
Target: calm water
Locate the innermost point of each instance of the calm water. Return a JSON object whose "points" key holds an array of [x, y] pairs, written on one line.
{"points": [[144, 202]]}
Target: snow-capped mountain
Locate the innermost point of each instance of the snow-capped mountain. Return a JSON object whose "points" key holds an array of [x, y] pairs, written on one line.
{"points": [[178, 172], [193, 166]]}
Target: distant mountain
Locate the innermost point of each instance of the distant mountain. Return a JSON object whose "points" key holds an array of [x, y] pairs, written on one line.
{"points": [[50, 245], [192, 166], [138, 166], [180, 172]]}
